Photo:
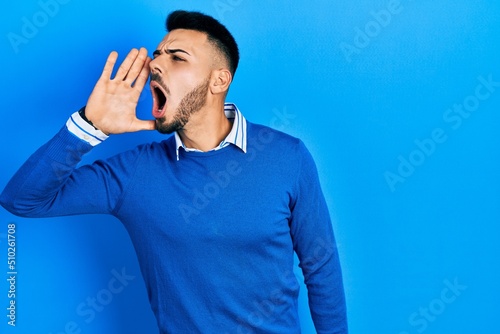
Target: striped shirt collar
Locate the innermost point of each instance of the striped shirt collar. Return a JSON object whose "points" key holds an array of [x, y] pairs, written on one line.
{"points": [[237, 136]]}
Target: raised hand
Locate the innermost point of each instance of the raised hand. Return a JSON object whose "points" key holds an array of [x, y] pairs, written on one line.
{"points": [[112, 105]]}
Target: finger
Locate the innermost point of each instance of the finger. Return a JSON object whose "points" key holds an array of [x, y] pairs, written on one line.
{"points": [[143, 76], [144, 125], [110, 64], [121, 74], [137, 66]]}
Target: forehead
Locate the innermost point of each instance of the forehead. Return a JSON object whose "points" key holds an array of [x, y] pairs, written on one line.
{"points": [[187, 40]]}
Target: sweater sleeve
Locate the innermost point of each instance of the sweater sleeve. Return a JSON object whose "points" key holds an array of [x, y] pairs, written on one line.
{"points": [[314, 243], [50, 184]]}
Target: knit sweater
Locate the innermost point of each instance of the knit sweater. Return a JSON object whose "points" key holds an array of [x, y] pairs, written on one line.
{"points": [[215, 232]]}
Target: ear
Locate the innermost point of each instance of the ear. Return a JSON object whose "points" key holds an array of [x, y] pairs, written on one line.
{"points": [[221, 79]]}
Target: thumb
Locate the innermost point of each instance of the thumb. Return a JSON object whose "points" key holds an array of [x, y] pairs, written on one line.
{"points": [[140, 125]]}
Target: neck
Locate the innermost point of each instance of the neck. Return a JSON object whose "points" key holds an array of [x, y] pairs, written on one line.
{"points": [[206, 128]]}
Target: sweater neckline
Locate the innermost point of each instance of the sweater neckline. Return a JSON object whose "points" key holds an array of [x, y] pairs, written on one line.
{"points": [[183, 154]]}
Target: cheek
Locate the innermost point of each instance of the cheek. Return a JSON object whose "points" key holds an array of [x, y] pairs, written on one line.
{"points": [[183, 82]]}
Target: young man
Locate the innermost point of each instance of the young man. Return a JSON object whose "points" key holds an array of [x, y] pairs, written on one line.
{"points": [[216, 211]]}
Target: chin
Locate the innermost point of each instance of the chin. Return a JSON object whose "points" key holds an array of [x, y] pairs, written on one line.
{"points": [[163, 127]]}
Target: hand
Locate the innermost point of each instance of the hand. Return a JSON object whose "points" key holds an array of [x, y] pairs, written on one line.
{"points": [[112, 105]]}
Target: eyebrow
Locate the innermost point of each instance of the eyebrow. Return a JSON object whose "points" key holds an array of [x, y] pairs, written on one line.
{"points": [[170, 51]]}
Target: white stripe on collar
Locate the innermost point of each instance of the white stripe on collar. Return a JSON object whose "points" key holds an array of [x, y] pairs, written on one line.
{"points": [[237, 136]]}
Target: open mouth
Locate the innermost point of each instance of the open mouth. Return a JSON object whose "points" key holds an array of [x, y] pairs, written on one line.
{"points": [[159, 100]]}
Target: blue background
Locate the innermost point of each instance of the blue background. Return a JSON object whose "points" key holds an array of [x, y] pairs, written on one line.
{"points": [[361, 82]]}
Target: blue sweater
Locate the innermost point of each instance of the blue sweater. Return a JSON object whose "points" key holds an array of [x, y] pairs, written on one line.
{"points": [[214, 232]]}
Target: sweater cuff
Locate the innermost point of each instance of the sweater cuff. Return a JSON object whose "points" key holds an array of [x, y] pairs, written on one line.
{"points": [[83, 130]]}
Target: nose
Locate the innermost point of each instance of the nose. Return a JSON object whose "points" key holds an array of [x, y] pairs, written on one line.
{"points": [[154, 66]]}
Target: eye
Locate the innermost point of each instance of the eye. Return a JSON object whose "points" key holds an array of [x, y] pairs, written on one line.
{"points": [[177, 58], [156, 54]]}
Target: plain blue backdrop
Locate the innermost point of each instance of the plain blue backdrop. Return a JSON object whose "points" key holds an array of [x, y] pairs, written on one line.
{"points": [[397, 100]]}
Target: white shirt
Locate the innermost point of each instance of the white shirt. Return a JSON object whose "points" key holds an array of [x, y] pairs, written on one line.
{"points": [[237, 136]]}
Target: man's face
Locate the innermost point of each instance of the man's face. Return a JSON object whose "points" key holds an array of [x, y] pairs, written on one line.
{"points": [[180, 77]]}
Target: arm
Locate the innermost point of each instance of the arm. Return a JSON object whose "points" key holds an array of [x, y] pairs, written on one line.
{"points": [[314, 243], [49, 184]]}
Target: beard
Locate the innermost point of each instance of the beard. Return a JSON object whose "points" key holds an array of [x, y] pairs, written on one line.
{"points": [[191, 103]]}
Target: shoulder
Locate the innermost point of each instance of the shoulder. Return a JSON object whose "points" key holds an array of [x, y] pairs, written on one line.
{"points": [[162, 147], [275, 141], [152, 151]]}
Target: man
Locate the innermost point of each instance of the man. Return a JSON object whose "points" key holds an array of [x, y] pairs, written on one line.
{"points": [[216, 211]]}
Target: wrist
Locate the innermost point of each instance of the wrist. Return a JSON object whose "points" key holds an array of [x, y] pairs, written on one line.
{"points": [[81, 112], [83, 128]]}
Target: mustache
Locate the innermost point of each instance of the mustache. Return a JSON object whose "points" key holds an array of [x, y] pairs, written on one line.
{"points": [[156, 77]]}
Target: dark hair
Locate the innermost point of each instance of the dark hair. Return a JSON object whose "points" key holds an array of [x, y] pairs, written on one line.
{"points": [[216, 33]]}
